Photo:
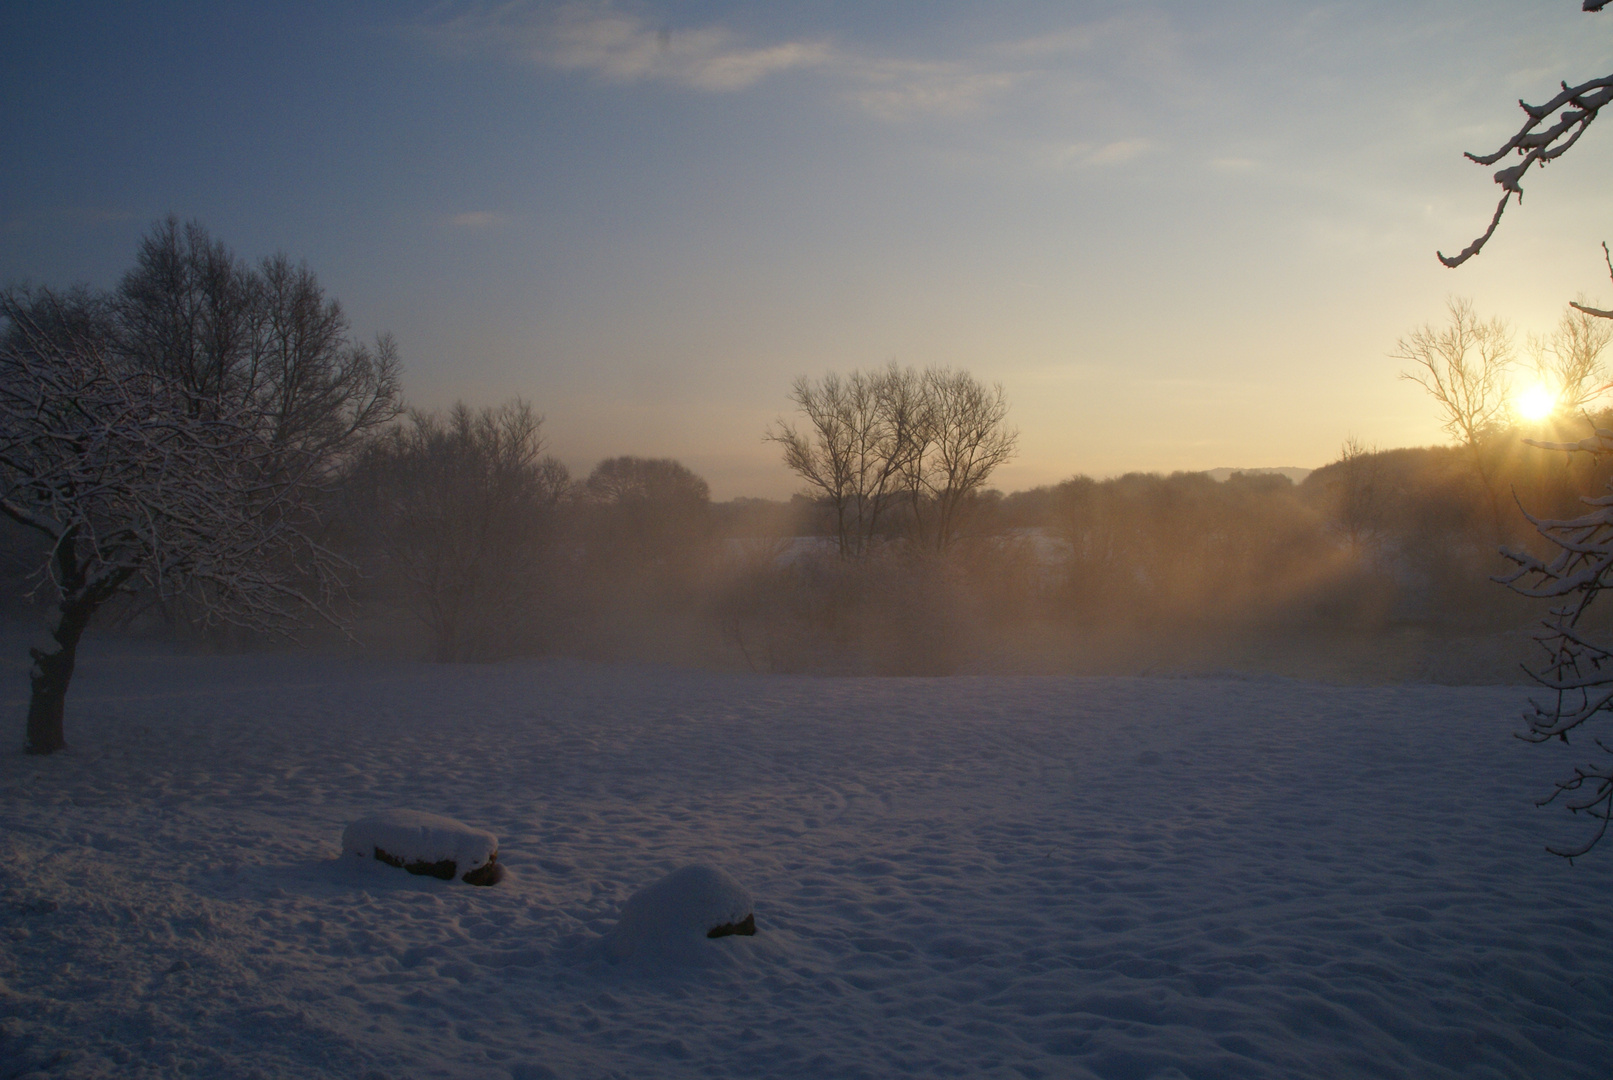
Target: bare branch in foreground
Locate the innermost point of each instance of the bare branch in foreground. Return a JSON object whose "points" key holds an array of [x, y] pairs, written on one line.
{"points": [[1598, 312], [1577, 670], [1579, 104]]}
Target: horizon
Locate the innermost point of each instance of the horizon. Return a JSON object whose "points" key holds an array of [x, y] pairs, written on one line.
{"points": [[1285, 470]]}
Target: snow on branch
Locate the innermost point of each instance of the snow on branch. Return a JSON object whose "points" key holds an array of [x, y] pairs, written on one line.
{"points": [[1583, 103], [1577, 670], [132, 485], [1607, 257], [1579, 104]]}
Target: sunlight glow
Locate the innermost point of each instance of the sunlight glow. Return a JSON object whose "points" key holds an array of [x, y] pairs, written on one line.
{"points": [[1536, 403]]}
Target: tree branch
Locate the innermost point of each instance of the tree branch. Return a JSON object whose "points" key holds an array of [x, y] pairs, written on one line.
{"points": [[1580, 105]]}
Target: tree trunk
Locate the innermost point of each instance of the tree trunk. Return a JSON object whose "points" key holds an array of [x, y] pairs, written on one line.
{"points": [[50, 675], [1482, 467]]}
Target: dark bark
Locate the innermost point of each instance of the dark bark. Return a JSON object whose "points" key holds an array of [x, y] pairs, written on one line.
{"points": [[745, 927], [1486, 477], [50, 675], [52, 671]]}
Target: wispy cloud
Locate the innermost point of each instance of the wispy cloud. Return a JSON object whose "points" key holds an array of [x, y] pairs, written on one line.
{"points": [[1054, 43], [626, 48], [902, 90], [1118, 152], [1145, 46], [617, 46], [621, 47]]}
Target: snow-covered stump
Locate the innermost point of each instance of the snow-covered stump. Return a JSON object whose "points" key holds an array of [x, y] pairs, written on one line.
{"points": [[428, 844], [680, 912]]}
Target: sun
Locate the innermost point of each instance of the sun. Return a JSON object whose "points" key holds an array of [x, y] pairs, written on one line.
{"points": [[1536, 403]]}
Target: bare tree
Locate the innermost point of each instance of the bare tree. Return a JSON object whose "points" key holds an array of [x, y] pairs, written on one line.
{"points": [[628, 479], [186, 310], [967, 441], [931, 437], [1580, 105], [462, 509], [1464, 367], [1577, 669], [1359, 496], [1569, 362], [889, 425], [266, 344], [822, 456], [861, 432], [645, 538], [646, 512]]}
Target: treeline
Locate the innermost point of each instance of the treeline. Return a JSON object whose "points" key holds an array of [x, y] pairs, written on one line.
{"points": [[468, 541], [1158, 572], [466, 529], [464, 526]]}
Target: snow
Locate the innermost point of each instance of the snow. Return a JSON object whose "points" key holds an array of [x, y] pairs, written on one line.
{"points": [[414, 836], [675, 916], [999, 877]]}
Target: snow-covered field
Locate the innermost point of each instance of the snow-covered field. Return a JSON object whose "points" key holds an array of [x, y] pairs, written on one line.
{"points": [[1006, 877]]}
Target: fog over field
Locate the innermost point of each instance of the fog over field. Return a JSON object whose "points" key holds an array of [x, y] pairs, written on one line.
{"points": [[614, 538]]}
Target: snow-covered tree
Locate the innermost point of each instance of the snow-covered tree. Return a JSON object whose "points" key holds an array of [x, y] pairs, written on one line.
{"points": [[182, 456]]}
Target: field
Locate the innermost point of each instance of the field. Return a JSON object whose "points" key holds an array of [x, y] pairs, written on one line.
{"points": [[972, 876]]}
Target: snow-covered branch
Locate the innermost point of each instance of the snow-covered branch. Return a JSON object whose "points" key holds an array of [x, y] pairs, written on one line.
{"points": [[1577, 669], [1535, 144], [132, 487], [1600, 313], [173, 438]]}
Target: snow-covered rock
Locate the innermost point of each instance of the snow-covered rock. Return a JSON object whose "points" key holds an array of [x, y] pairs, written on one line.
{"points": [[680, 912], [423, 843]]}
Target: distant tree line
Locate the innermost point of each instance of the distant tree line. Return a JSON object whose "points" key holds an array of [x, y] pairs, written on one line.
{"points": [[463, 523]]}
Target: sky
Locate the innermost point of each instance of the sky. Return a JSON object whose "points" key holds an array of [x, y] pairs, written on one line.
{"points": [[1179, 235]]}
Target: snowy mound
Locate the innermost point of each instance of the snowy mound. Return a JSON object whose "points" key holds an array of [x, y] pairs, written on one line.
{"points": [[429, 844], [680, 912]]}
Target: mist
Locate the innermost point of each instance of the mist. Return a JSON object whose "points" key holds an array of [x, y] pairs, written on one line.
{"points": [[1374, 568], [471, 542]]}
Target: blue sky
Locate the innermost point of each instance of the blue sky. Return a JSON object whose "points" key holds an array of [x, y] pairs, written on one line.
{"points": [[1181, 235]]}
